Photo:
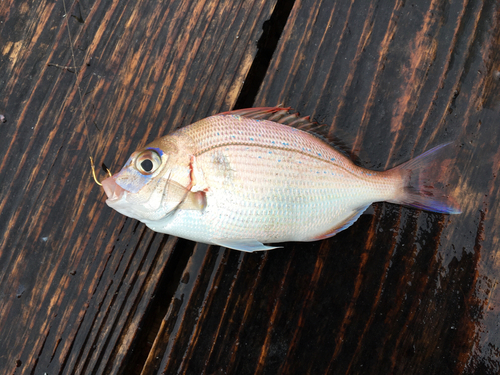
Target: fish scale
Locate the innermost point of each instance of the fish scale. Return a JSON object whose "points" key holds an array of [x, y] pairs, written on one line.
{"points": [[240, 180], [221, 130], [307, 183]]}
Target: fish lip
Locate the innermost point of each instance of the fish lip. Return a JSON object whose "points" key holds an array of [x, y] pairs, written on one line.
{"points": [[113, 191]]}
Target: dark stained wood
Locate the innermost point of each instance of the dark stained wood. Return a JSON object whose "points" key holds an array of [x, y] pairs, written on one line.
{"points": [[401, 291], [86, 290], [76, 278]]}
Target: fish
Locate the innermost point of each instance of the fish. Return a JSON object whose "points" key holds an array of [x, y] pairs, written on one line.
{"points": [[246, 178]]}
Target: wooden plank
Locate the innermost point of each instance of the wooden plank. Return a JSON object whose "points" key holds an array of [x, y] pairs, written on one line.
{"points": [[399, 78], [76, 278], [401, 291]]}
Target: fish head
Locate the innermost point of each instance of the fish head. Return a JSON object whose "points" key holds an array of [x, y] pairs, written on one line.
{"points": [[152, 183]]}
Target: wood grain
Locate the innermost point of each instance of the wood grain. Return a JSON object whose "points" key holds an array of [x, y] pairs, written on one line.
{"points": [[85, 290], [401, 291], [77, 279]]}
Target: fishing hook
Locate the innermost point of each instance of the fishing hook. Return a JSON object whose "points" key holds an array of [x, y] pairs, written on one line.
{"points": [[92, 166]]}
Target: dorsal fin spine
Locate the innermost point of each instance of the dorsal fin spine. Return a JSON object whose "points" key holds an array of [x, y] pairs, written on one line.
{"points": [[280, 115]]}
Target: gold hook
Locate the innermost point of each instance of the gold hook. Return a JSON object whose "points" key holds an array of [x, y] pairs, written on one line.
{"points": [[93, 171]]}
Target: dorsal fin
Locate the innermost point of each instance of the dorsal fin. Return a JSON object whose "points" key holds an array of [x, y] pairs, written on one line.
{"points": [[277, 114], [283, 115]]}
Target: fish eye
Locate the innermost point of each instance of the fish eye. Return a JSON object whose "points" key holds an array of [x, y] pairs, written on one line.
{"points": [[148, 162]]}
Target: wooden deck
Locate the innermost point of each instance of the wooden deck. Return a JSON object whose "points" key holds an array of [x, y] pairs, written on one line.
{"points": [[84, 290]]}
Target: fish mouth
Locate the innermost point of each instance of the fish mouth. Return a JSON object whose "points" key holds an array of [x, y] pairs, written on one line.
{"points": [[112, 189]]}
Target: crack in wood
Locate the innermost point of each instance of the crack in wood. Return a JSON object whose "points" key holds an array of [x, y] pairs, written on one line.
{"points": [[272, 30]]}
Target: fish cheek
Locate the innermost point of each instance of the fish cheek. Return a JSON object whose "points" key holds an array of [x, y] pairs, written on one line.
{"points": [[150, 202], [145, 196], [131, 180]]}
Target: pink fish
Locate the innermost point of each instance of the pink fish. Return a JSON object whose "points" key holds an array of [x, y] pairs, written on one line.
{"points": [[244, 178]]}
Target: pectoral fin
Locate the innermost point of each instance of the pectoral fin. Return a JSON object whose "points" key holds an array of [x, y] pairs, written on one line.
{"points": [[198, 182], [244, 245], [194, 201], [192, 197]]}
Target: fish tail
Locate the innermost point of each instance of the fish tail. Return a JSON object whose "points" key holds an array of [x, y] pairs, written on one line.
{"points": [[418, 178]]}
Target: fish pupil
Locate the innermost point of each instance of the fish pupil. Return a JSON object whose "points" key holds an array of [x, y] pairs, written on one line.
{"points": [[147, 165]]}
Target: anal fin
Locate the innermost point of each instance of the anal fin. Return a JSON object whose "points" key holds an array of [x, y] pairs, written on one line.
{"points": [[244, 245], [344, 224]]}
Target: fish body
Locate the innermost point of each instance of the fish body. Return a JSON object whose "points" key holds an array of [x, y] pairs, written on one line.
{"points": [[244, 178]]}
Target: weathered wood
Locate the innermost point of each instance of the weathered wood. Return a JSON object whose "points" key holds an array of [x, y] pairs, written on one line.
{"points": [[76, 278], [401, 291], [398, 78]]}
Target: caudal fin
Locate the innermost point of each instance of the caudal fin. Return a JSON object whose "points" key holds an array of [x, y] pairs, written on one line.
{"points": [[418, 183]]}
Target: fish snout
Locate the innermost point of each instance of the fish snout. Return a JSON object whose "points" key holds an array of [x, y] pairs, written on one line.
{"points": [[112, 189]]}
